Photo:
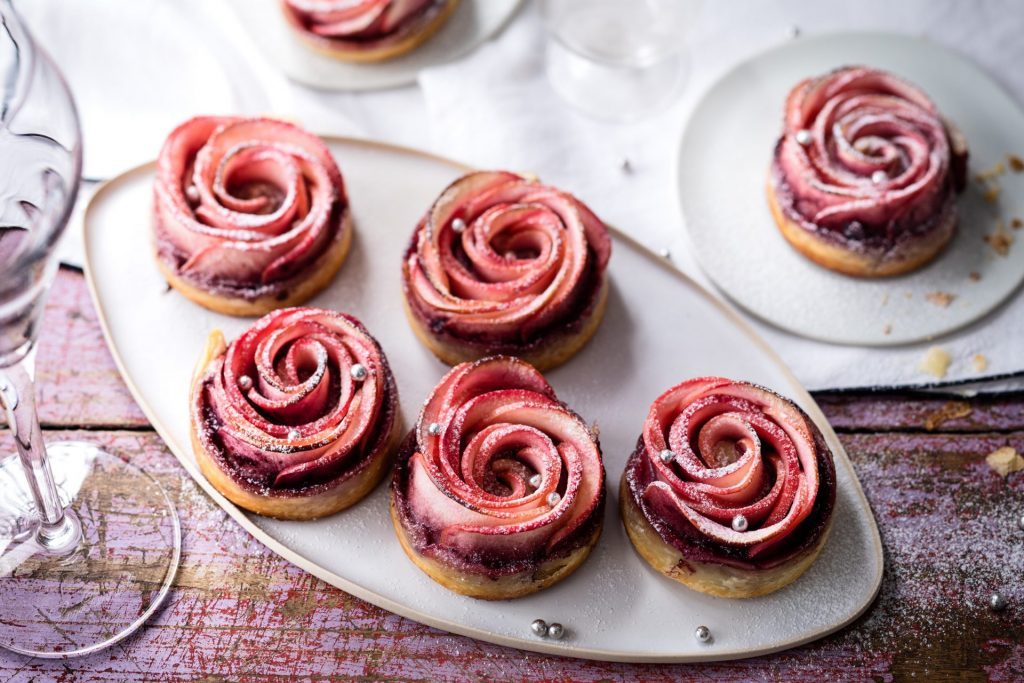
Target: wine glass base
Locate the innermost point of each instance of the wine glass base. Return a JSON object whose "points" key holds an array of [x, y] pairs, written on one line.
{"points": [[93, 593]]}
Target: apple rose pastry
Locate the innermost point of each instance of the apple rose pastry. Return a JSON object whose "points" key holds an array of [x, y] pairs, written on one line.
{"points": [[730, 489], [502, 264], [298, 417], [366, 30], [249, 214], [499, 489], [865, 175]]}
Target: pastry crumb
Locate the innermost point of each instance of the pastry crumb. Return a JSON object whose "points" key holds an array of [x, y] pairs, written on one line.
{"points": [[1005, 460], [979, 362], [887, 329], [975, 276], [943, 299], [1000, 240], [885, 298], [935, 362], [1016, 163], [1016, 223], [998, 169], [595, 431], [950, 410], [991, 194]]}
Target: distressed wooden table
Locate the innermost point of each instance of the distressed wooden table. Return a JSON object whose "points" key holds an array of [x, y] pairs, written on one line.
{"points": [[949, 524]]}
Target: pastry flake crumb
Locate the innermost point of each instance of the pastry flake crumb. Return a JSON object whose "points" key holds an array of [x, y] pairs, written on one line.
{"points": [[975, 276], [979, 362], [997, 169], [1016, 163], [885, 298], [1005, 460], [935, 362], [943, 299], [887, 329], [950, 410], [1016, 223], [1000, 240], [991, 194]]}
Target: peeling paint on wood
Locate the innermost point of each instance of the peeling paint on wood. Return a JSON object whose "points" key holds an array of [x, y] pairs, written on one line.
{"points": [[240, 613]]}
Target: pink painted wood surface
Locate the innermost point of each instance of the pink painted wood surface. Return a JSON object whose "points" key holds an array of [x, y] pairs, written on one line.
{"points": [[76, 378], [240, 613]]}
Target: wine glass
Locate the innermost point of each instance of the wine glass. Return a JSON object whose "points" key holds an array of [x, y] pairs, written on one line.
{"points": [[88, 543], [618, 60]]}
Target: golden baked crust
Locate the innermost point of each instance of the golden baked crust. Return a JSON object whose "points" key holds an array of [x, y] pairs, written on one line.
{"points": [[555, 350], [327, 502], [321, 272], [407, 44], [473, 585], [706, 577], [861, 264]]}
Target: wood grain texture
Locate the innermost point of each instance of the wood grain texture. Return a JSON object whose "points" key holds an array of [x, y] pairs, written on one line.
{"points": [[240, 613], [76, 379]]}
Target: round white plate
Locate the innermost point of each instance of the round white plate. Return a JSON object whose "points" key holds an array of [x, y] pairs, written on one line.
{"points": [[723, 165], [473, 22], [659, 329], [134, 84]]}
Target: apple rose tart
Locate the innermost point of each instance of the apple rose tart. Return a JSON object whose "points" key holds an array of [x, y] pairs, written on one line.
{"points": [[730, 490], [249, 214], [366, 30], [502, 264], [865, 175], [499, 489], [298, 417]]}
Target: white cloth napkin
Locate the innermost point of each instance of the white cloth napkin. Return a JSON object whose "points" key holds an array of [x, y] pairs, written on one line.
{"points": [[496, 109]]}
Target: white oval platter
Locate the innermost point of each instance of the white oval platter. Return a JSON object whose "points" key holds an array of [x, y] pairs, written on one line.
{"points": [[659, 329]]}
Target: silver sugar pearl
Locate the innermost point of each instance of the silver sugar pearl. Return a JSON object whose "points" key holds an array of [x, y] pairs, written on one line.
{"points": [[803, 137], [554, 498], [358, 372], [539, 627], [997, 602], [625, 165], [458, 225], [434, 429], [667, 456], [293, 435], [879, 176], [192, 194], [1020, 522], [245, 382], [556, 631], [535, 481], [739, 523], [702, 634], [664, 253]]}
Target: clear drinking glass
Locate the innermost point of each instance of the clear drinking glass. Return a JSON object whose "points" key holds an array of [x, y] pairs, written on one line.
{"points": [[88, 543], [618, 60]]}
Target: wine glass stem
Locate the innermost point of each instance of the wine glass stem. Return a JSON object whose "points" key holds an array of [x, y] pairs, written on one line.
{"points": [[58, 530]]}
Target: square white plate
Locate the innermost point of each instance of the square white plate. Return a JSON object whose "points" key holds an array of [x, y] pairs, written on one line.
{"points": [[660, 328]]}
